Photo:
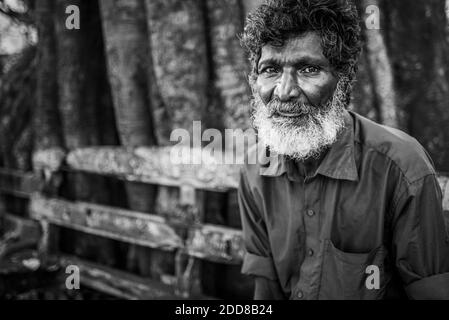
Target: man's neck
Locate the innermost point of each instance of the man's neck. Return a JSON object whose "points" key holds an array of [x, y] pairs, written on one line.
{"points": [[309, 166]]}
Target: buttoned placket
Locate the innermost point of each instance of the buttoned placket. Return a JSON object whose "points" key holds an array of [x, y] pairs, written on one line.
{"points": [[308, 283]]}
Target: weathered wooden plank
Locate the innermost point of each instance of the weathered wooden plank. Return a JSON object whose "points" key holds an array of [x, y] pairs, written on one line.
{"points": [[167, 166], [217, 244], [209, 242], [118, 283], [160, 166], [128, 226], [206, 242], [19, 183], [50, 159], [23, 184]]}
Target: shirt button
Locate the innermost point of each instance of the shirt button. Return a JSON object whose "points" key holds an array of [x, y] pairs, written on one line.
{"points": [[310, 213], [311, 253], [300, 295]]}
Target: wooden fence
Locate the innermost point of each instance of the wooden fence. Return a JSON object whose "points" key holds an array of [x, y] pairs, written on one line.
{"points": [[180, 229]]}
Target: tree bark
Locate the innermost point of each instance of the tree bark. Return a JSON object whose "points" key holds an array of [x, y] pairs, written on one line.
{"points": [[418, 43], [379, 69], [47, 129], [99, 96], [77, 119], [127, 52], [130, 70], [178, 40], [78, 109], [363, 93], [18, 87], [182, 63], [229, 64]]}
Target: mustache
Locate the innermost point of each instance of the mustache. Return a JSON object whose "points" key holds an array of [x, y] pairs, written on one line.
{"points": [[276, 105]]}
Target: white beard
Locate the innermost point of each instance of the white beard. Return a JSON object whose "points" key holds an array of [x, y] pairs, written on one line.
{"points": [[301, 139]]}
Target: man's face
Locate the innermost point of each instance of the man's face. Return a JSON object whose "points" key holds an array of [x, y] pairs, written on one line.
{"points": [[298, 99]]}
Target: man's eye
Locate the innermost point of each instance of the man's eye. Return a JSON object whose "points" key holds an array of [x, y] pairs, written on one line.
{"points": [[269, 70], [310, 69]]}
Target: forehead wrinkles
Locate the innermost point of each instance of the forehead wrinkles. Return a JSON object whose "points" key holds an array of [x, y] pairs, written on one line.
{"points": [[307, 44]]}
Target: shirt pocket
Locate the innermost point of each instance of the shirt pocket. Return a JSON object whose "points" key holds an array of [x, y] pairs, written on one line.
{"points": [[347, 276]]}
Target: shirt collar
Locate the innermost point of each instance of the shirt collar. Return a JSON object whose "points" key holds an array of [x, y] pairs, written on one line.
{"points": [[339, 162]]}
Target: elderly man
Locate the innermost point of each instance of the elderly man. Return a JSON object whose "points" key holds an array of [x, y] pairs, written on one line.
{"points": [[345, 208]]}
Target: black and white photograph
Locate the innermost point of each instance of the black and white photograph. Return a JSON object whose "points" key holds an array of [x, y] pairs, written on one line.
{"points": [[234, 151]]}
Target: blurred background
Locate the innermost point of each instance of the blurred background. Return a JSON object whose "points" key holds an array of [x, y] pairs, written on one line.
{"points": [[136, 70]]}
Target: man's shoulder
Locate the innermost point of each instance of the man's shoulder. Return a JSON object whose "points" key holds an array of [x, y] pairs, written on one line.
{"points": [[394, 145]]}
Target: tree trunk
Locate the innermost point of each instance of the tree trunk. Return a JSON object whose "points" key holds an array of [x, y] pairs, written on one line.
{"points": [[78, 109], [381, 78], [230, 66], [363, 93], [16, 94], [417, 41], [47, 129], [127, 51], [182, 71], [380, 73], [178, 40], [99, 96], [78, 120]]}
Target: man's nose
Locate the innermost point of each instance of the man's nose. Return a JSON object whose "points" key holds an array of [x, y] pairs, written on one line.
{"points": [[288, 88]]}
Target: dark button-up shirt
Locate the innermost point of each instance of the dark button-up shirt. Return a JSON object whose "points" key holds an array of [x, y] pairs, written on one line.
{"points": [[366, 224]]}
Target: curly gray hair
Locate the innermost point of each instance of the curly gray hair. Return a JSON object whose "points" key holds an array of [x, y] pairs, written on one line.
{"points": [[337, 22]]}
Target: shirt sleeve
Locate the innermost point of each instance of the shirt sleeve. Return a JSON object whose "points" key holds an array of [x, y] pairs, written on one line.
{"points": [[258, 260], [421, 241]]}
